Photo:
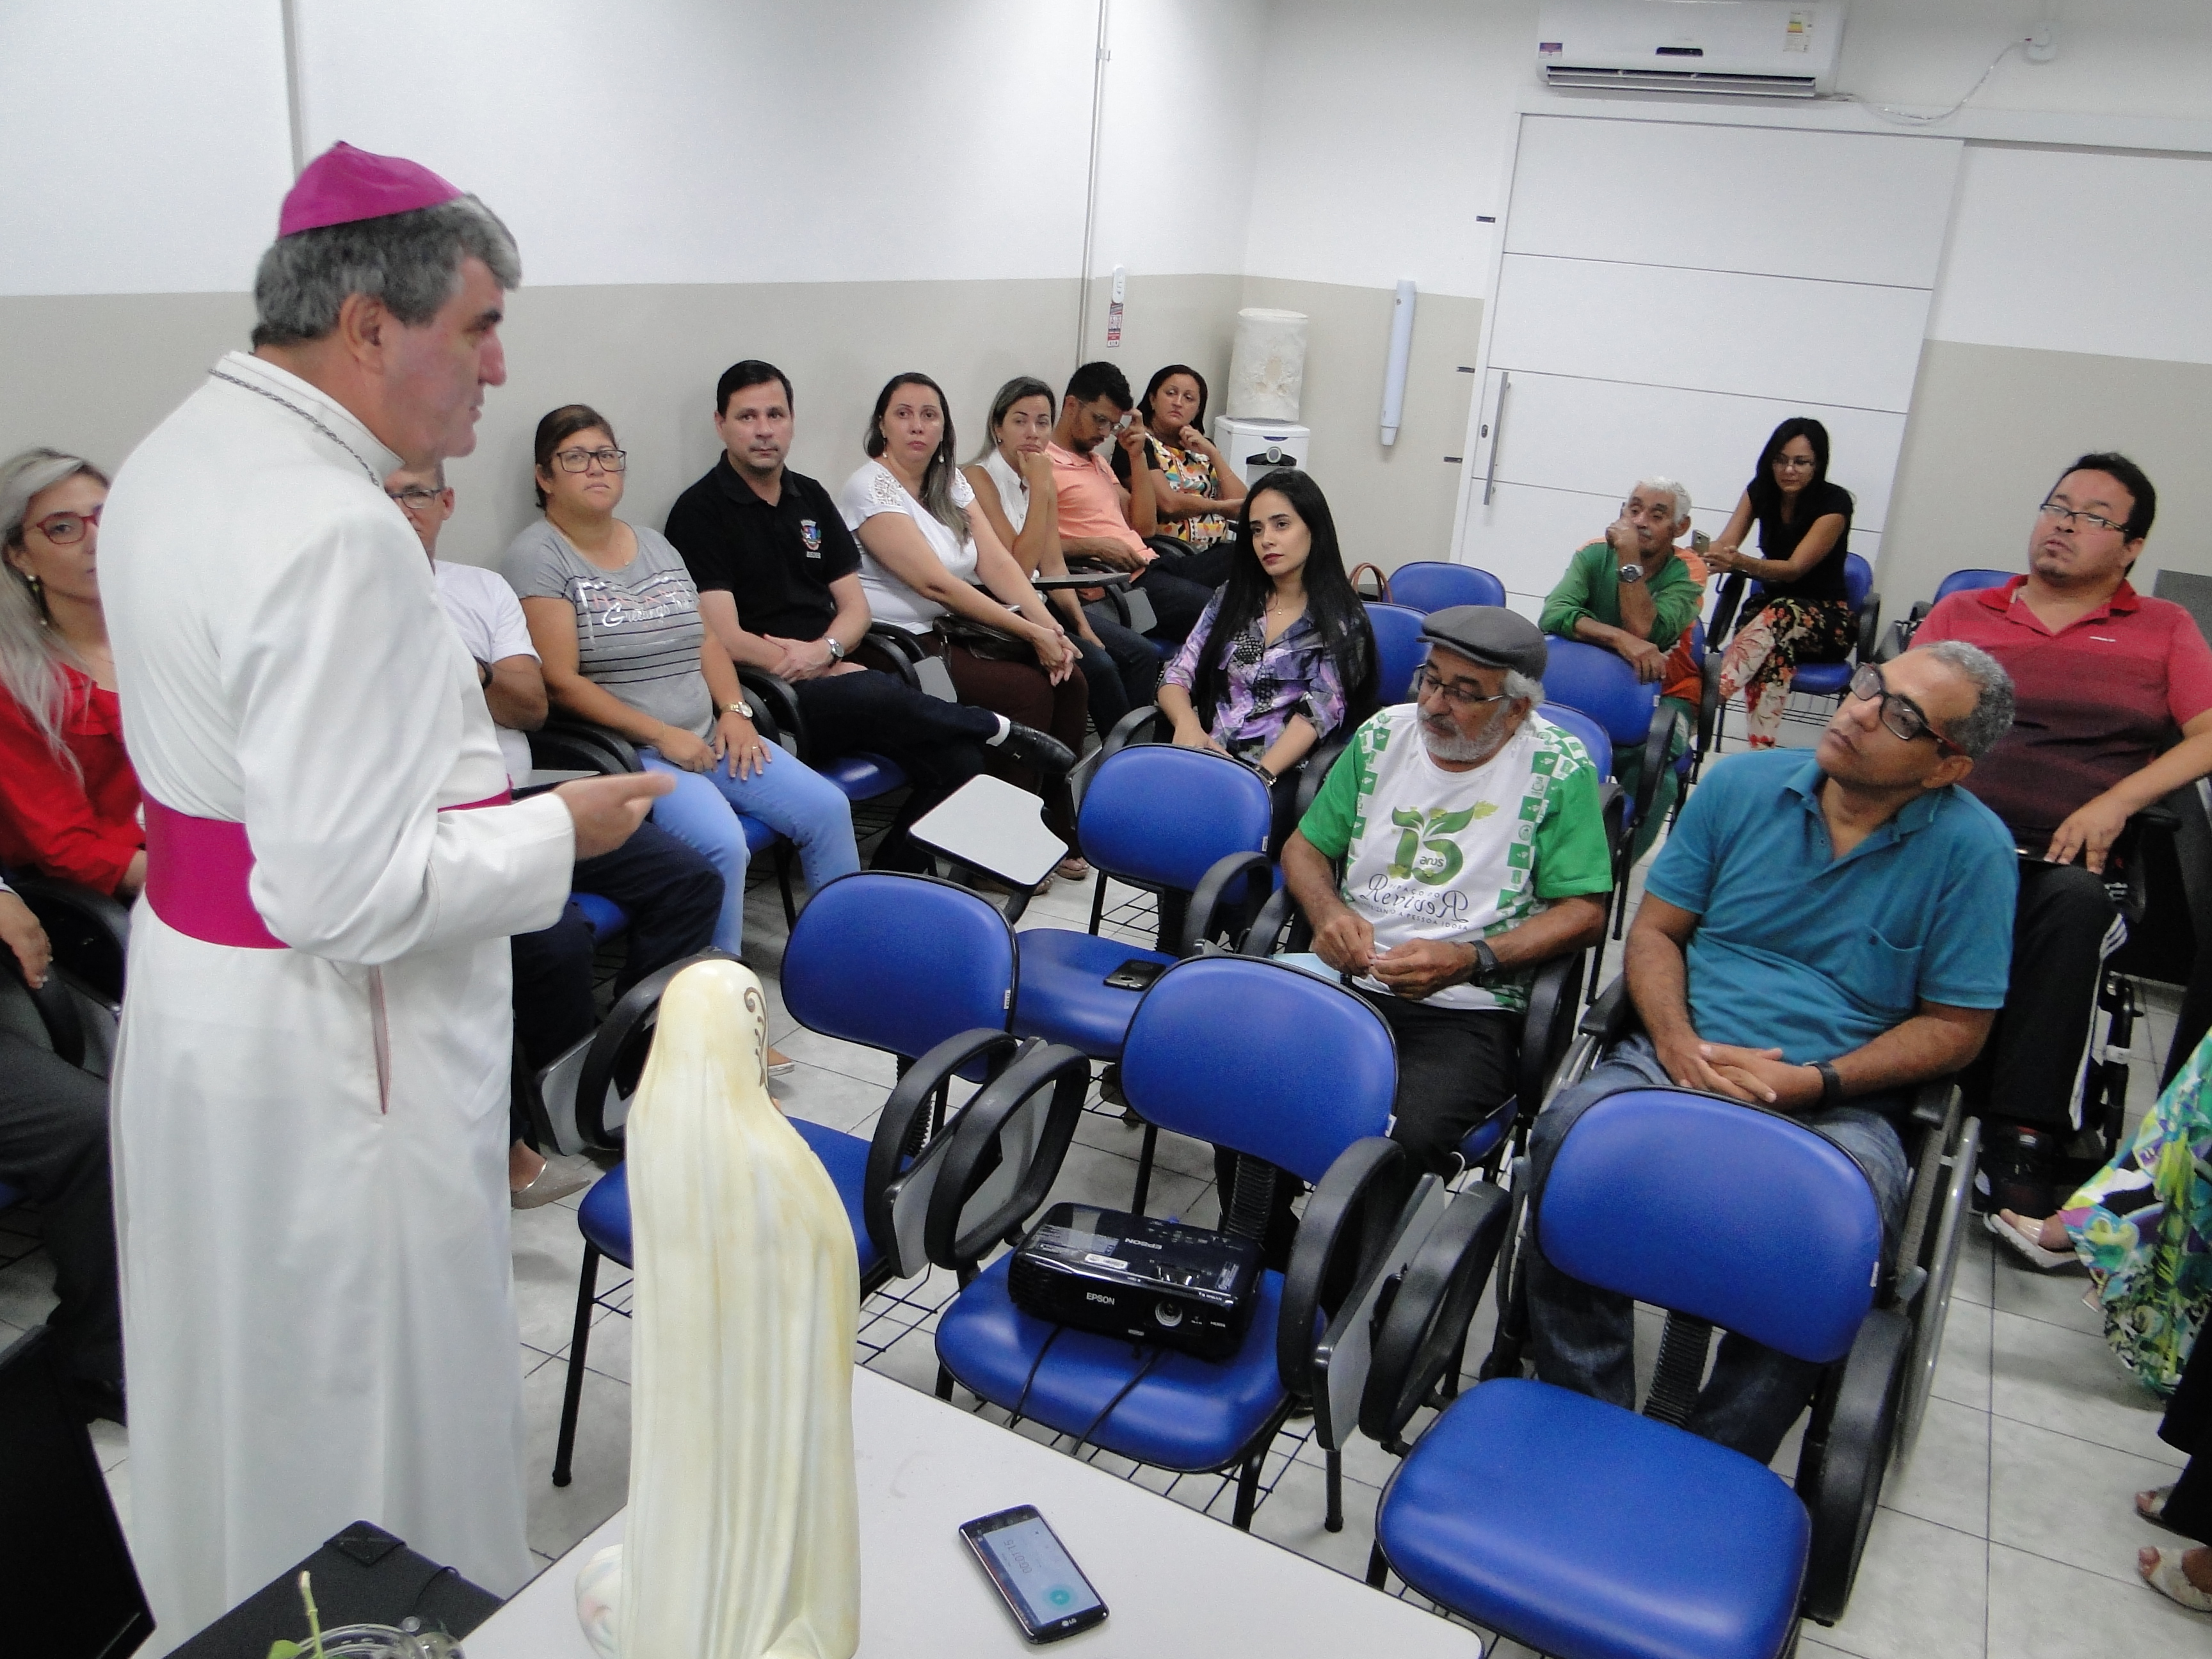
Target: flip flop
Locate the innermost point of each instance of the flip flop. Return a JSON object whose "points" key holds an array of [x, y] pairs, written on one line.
{"points": [[2155, 1511], [2165, 1577], [2025, 1243], [1071, 869]]}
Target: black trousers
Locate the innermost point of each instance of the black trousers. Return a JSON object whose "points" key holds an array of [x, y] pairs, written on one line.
{"points": [[2188, 1428], [1455, 1067], [1123, 674], [937, 745], [2031, 1069], [673, 897], [1179, 585], [53, 1148]]}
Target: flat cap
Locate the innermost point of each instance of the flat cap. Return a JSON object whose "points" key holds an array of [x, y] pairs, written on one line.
{"points": [[1490, 635]]}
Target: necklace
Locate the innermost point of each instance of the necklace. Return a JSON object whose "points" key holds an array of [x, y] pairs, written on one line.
{"points": [[286, 403]]}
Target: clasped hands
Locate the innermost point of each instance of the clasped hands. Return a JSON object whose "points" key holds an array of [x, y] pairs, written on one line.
{"points": [[1757, 1076], [1418, 969]]}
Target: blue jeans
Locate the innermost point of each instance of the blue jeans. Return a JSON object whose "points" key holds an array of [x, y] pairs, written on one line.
{"points": [[797, 803], [1584, 1338]]}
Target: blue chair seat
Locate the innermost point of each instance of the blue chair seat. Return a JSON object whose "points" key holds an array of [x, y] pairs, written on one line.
{"points": [[603, 1216], [1187, 1414], [863, 777], [1824, 679], [758, 836], [1477, 1143], [1083, 1011], [1590, 1533], [608, 920]]}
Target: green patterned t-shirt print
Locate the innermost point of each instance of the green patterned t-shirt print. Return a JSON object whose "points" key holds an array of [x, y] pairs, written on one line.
{"points": [[1431, 831]]}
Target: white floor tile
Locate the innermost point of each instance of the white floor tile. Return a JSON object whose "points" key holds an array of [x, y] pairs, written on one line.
{"points": [[1962, 1370], [26, 1291], [2071, 1500], [1921, 1594], [560, 1518], [2053, 1298], [2064, 1380], [848, 1059], [548, 1254], [1948, 1479], [2039, 1609], [1972, 1278], [835, 1099], [1293, 1513]]}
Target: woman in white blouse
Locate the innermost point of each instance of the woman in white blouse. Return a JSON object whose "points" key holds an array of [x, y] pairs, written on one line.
{"points": [[927, 553]]}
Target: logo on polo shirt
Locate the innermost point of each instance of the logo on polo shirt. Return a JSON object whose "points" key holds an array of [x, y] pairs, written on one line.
{"points": [[811, 533]]}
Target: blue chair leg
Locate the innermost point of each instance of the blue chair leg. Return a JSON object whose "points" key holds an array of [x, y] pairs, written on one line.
{"points": [[587, 1285]]}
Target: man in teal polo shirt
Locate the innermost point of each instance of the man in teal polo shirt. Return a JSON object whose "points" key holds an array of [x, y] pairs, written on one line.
{"points": [[1821, 934], [1630, 592]]}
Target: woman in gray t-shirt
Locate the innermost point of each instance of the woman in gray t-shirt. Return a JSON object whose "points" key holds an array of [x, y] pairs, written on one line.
{"points": [[616, 621]]}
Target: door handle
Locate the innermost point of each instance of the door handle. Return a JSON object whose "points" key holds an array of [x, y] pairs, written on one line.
{"points": [[1496, 437]]}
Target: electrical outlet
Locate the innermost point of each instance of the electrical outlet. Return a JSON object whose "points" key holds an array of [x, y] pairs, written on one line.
{"points": [[2043, 44]]}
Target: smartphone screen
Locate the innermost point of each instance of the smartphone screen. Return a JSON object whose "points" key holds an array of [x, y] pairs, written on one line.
{"points": [[1034, 1571], [1135, 973]]}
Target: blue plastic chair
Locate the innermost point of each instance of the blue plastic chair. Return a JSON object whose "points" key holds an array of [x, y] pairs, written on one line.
{"points": [[1429, 585], [1398, 649], [608, 921], [1589, 1532], [1602, 685], [1294, 1073], [860, 777], [924, 970], [1966, 581]]}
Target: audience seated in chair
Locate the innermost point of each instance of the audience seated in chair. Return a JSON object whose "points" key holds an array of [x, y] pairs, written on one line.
{"points": [[779, 581], [53, 1150], [1631, 592], [1283, 656], [1105, 522], [1195, 491], [931, 563], [1820, 933], [1012, 482], [69, 800], [669, 893], [2107, 678], [615, 619], [1473, 849], [1804, 530]]}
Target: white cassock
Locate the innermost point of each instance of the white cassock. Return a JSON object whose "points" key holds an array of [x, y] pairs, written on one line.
{"points": [[311, 1133]]}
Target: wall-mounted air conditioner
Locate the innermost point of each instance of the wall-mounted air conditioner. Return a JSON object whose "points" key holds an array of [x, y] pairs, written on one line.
{"points": [[1734, 48]]}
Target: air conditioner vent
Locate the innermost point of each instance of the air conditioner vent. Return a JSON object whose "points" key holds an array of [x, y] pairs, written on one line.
{"points": [[1714, 48], [1659, 79]]}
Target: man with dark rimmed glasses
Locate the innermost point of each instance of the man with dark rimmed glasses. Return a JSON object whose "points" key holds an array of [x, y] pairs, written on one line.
{"points": [[2107, 679], [1821, 934]]}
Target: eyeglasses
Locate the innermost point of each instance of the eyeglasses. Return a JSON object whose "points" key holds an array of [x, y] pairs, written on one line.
{"points": [[1900, 713], [1454, 693], [65, 529], [415, 497], [580, 460], [2067, 517], [1796, 463]]}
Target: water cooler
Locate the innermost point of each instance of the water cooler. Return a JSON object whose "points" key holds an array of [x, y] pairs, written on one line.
{"points": [[1252, 446]]}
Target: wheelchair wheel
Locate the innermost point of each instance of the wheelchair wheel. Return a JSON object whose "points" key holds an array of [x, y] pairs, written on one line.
{"points": [[1940, 1253]]}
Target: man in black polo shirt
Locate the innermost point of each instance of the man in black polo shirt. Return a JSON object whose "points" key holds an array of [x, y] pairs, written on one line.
{"points": [[778, 582]]}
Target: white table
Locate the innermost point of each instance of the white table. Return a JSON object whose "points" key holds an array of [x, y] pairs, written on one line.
{"points": [[1175, 1581]]}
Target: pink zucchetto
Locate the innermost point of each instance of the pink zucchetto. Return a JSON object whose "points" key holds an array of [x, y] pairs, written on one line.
{"points": [[344, 183]]}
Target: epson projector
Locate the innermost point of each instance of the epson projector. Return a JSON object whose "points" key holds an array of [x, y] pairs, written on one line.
{"points": [[1185, 1288]]}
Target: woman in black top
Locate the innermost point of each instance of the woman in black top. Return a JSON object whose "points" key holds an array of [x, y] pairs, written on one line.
{"points": [[1804, 527]]}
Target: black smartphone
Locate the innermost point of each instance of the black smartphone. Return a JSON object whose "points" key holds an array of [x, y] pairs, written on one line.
{"points": [[1135, 974], [1047, 1593]]}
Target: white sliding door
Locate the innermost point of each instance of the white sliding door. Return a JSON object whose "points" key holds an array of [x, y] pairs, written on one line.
{"points": [[1667, 291]]}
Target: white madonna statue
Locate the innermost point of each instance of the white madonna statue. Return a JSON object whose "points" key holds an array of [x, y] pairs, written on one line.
{"points": [[742, 1536]]}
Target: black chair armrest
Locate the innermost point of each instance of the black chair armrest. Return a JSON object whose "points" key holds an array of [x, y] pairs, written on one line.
{"points": [[975, 1161], [1657, 740], [1608, 1017], [1434, 1305], [1709, 700], [1354, 1207], [1316, 766], [900, 1133], [1227, 881], [617, 1056], [1265, 936], [1931, 1102], [89, 930], [900, 641], [567, 743], [775, 709], [1135, 726], [1846, 1447], [1869, 628], [1173, 545], [1728, 600], [1550, 1025]]}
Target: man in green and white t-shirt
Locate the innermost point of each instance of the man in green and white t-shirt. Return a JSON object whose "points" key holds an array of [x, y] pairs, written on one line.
{"points": [[1473, 849]]}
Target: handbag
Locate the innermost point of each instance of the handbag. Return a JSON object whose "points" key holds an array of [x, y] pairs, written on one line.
{"points": [[1382, 581], [982, 640]]}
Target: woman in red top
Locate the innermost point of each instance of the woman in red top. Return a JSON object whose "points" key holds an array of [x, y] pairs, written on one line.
{"points": [[69, 800]]}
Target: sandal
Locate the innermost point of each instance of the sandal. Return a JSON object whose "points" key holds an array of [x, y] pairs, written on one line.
{"points": [[2025, 1239], [2163, 1573], [1072, 868], [2154, 1511]]}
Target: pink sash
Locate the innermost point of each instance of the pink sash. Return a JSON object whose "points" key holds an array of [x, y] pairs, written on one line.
{"points": [[196, 871]]}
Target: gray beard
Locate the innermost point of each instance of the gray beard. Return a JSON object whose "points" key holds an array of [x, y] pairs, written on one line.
{"points": [[1459, 750]]}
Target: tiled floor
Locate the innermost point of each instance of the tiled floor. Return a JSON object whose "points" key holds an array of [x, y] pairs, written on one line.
{"points": [[2011, 1534]]}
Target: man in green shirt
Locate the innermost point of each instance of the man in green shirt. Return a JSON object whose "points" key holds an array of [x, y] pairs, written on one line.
{"points": [[1629, 592], [1473, 849]]}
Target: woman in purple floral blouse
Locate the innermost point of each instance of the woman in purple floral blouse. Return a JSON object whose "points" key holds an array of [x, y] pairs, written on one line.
{"points": [[1283, 655]]}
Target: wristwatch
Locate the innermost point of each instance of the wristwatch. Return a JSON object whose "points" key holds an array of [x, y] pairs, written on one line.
{"points": [[1831, 1086], [1486, 962], [741, 707], [1630, 573], [837, 651]]}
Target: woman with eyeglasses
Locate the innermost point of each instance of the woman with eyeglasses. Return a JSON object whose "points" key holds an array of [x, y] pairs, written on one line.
{"points": [[615, 619], [1804, 532], [69, 799], [1283, 655]]}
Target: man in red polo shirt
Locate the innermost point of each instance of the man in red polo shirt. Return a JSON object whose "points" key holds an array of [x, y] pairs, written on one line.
{"points": [[2105, 677]]}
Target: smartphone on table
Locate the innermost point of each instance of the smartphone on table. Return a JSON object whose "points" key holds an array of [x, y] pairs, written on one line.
{"points": [[1046, 1591]]}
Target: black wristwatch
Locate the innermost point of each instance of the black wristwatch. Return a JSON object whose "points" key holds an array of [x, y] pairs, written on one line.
{"points": [[1486, 962], [1831, 1086]]}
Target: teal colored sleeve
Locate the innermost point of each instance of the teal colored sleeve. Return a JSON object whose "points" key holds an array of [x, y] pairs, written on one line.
{"points": [[1327, 823], [1572, 858], [1967, 961], [1570, 602]]}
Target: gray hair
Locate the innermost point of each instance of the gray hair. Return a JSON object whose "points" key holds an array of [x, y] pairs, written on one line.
{"points": [[1992, 713], [31, 654], [410, 261], [1519, 686], [1659, 484]]}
